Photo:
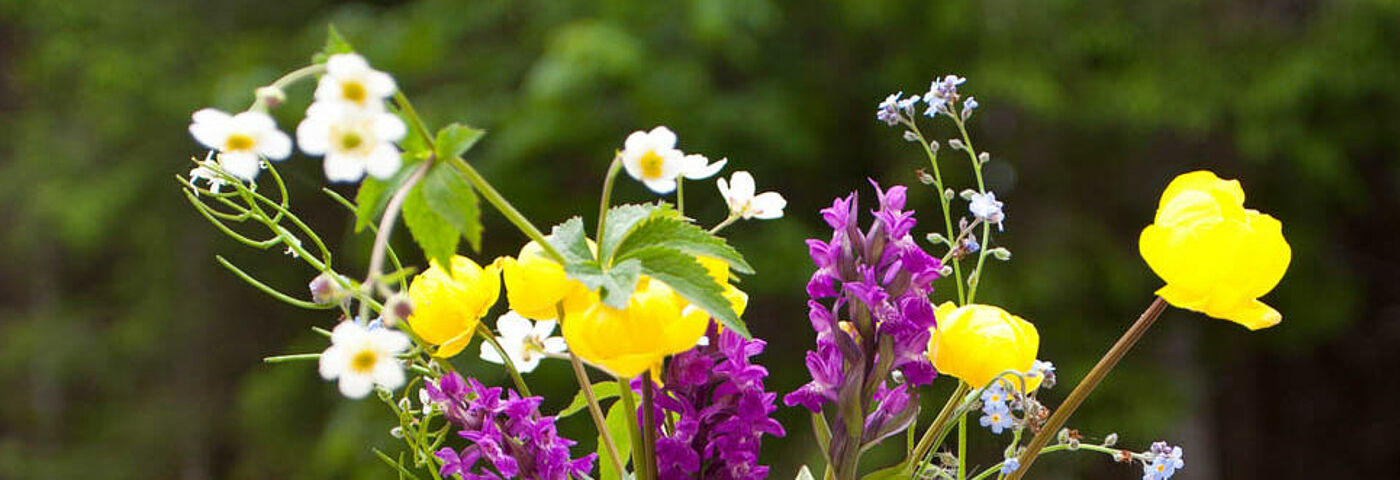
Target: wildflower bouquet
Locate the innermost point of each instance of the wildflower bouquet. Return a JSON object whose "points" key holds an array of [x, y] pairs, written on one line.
{"points": [[648, 309]]}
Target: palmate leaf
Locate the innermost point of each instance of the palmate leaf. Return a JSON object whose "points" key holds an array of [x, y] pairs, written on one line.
{"points": [[688, 278], [676, 233], [614, 285], [569, 239], [451, 196], [621, 220]]}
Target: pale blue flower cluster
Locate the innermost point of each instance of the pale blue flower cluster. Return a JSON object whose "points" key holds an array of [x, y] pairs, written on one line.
{"points": [[1165, 461], [996, 411], [1010, 465], [896, 108], [942, 93]]}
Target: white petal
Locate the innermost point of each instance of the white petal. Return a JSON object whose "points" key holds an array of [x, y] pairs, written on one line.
{"points": [[632, 163], [354, 385], [544, 328], [388, 374], [332, 362], [346, 65], [636, 142], [740, 188], [252, 123], [700, 170], [661, 185], [210, 127], [327, 90], [489, 353], [380, 84], [513, 327], [347, 333], [314, 134], [343, 168], [768, 205], [274, 145], [556, 345], [723, 189], [527, 366], [388, 127], [672, 162], [391, 342], [663, 138], [244, 165], [384, 161]]}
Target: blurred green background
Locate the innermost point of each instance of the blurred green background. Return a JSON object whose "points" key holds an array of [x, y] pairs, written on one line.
{"points": [[127, 352]]}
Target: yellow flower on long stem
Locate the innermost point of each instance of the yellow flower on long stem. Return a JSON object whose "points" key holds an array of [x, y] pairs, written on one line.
{"points": [[536, 284], [448, 305], [627, 342], [976, 343], [1216, 256]]}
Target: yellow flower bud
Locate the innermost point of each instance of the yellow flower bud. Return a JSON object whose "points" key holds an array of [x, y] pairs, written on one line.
{"points": [[976, 343], [535, 284], [1216, 256], [448, 306], [628, 342]]}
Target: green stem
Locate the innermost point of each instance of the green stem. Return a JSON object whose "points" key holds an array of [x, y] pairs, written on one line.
{"points": [[680, 195], [594, 410], [606, 198], [292, 358], [386, 226], [502, 205], [926, 443], [962, 446], [486, 334], [269, 290], [981, 189], [286, 80], [943, 202], [1113, 452], [1087, 385], [648, 424], [629, 406], [727, 221]]}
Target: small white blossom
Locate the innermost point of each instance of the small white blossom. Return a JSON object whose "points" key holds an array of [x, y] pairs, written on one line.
{"points": [[362, 358], [216, 182], [426, 400], [652, 158], [738, 192], [242, 140], [524, 341], [354, 141], [349, 79], [986, 208], [697, 167]]}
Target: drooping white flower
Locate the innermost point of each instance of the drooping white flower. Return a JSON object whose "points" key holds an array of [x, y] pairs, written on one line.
{"points": [[986, 208], [363, 357], [526, 342], [697, 167], [652, 158], [349, 79], [738, 192], [242, 140], [353, 140]]}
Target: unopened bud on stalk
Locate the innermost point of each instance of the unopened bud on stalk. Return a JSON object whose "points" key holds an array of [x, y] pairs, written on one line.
{"points": [[924, 177], [910, 136], [396, 432], [397, 308], [955, 143], [984, 157], [270, 96], [325, 290], [1110, 440]]}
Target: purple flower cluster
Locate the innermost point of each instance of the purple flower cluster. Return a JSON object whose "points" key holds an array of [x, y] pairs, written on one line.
{"points": [[875, 321], [721, 411], [508, 434]]}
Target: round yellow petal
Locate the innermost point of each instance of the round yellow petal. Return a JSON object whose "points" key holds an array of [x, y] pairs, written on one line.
{"points": [[976, 343]]}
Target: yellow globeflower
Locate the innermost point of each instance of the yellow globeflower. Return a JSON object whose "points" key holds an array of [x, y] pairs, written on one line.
{"points": [[535, 284], [719, 270], [447, 306], [627, 342], [978, 342], [1216, 256]]}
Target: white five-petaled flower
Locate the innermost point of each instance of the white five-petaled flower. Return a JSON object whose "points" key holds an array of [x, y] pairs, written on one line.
{"points": [[698, 167], [349, 79], [353, 140], [652, 158], [738, 192], [524, 341], [363, 357], [242, 140], [986, 208]]}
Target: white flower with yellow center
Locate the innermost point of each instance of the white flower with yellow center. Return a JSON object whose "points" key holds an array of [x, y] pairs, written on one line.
{"points": [[524, 341], [738, 192], [363, 357], [652, 158], [242, 140], [353, 140], [349, 79]]}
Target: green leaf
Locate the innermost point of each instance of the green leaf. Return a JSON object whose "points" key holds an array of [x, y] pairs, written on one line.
{"points": [[621, 219], [616, 421], [897, 472], [601, 391], [451, 196], [455, 139], [374, 194], [568, 238], [334, 44], [614, 285], [676, 233], [681, 272], [434, 234]]}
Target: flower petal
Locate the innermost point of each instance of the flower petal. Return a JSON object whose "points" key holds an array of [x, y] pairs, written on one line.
{"points": [[356, 385], [768, 205], [384, 161]]}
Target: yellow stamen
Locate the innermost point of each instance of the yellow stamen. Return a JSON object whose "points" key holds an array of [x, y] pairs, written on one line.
{"points": [[364, 361], [353, 91], [350, 141], [238, 142], [651, 164]]}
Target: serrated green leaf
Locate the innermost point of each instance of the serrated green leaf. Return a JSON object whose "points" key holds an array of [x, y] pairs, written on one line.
{"points": [[615, 285], [676, 233], [616, 421], [434, 234], [621, 219], [374, 194], [568, 238], [687, 277], [455, 139], [335, 43], [451, 196], [601, 391]]}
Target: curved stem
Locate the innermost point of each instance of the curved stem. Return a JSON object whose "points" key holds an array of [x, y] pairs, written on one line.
{"points": [[629, 406], [603, 201], [926, 443], [1086, 386], [502, 205], [727, 222], [942, 201], [1113, 452], [490, 337], [386, 226], [594, 410], [286, 80]]}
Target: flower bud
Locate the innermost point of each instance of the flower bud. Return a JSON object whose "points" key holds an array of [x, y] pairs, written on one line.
{"points": [[396, 432], [956, 144], [1110, 440], [910, 136], [924, 177], [976, 343], [397, 308], [325, 290], [270, 96], [1001, 253]]}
